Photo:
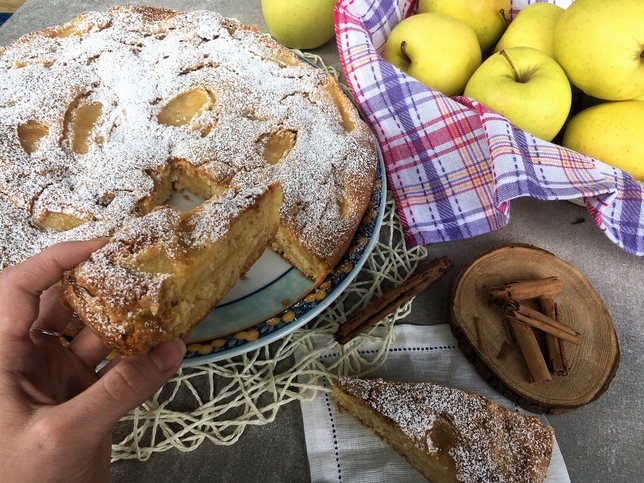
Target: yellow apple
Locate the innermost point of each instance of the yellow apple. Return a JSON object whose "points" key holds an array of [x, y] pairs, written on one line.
{"points": [[612, 132], [300, 24], [484, 16], [534, 27], [526, 86], [438, 50], [599, 44]]}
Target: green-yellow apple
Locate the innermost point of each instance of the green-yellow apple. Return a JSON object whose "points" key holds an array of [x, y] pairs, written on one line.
{"points": [[612, 132], [300, 24], [599, 44], [534, 27], [484, 16], [438, 50], [526, 86]]}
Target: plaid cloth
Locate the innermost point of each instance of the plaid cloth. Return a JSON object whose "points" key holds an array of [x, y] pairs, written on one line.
{"points": [[452, 164]]}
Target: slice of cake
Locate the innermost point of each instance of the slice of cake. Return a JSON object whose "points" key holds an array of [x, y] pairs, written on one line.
{"points": [[164, 272], [447, 434]]}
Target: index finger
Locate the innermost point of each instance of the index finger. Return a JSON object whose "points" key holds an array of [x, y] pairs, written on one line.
{"points": [[22, 284]]}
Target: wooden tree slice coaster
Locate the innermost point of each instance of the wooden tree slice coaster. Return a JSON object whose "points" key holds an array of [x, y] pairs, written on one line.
{"points": [[593, 363]]}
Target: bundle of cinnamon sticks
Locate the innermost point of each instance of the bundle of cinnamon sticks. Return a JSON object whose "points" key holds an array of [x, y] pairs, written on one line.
{"points": [[522, 321]]}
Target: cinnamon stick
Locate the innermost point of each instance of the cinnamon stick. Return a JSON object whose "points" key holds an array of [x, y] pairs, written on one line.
{"points": [[390, 301], [531, 351], [509, 331], [552, 342], [540, 321], [527, 289]]}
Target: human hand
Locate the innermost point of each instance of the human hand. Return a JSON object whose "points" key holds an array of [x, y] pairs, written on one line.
{"points": [[56, 411]]}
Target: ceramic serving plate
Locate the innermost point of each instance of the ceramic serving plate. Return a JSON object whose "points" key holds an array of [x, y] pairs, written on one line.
{"points": [[274, 299]]}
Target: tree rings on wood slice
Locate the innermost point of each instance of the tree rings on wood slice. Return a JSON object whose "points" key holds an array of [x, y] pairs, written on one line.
{"points": [[593, 363]]}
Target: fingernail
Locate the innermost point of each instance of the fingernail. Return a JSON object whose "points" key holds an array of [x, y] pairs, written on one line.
{"points": [[168, 354]]}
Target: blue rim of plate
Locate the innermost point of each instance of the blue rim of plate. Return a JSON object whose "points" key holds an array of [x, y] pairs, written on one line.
{"points": [[220, 347]]}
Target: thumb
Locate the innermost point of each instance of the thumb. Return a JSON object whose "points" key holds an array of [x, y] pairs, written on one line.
{"points": [[125, 386]]}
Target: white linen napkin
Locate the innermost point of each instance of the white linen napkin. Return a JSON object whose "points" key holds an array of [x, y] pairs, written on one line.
{"points": [[339, 447]]}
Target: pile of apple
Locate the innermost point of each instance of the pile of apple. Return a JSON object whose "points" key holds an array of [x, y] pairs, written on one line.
{"points": [[526, 70]]}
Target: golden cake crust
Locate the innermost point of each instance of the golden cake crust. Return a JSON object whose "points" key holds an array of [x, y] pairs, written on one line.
{"points": [[448, 434], [100, 116]]}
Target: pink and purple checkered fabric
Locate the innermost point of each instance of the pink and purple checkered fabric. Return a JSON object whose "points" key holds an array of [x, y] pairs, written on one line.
{"points": [[452, 164]]}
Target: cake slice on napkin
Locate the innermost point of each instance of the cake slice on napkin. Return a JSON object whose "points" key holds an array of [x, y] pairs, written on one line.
{"points": [[447, 434]]}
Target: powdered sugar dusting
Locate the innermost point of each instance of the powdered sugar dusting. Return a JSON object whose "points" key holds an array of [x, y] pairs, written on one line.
{"points": [[132, 62], [129, 271], [116, 267], [217, 214], [490, 443]]}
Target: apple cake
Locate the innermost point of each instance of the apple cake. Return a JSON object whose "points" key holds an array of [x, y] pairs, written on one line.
{"points": [[447, 434], [103, 118]]}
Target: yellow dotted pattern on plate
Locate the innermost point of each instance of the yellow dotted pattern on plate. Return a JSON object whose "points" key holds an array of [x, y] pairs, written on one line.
{"points": [[249, 335], [319, 295], [342, 269], [203, 349], [370, 214], [361, 241], [252, 335], [273, 321]]}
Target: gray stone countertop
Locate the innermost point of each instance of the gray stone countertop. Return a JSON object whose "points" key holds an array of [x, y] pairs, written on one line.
{"points": [[603, 441]]}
